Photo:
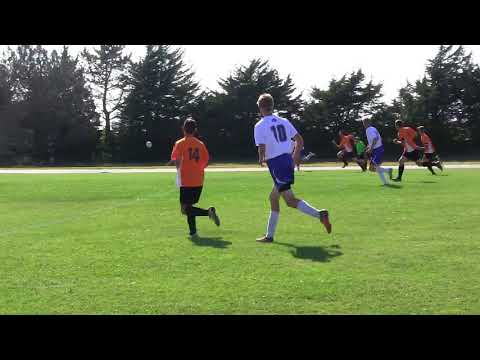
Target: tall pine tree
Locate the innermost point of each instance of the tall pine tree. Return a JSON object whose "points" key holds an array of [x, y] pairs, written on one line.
{"points": [[235, 105], [161, 94], [106, 68]]}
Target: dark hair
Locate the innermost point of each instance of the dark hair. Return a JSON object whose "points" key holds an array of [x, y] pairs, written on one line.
{"points": [[398, 122], [190, 126]]}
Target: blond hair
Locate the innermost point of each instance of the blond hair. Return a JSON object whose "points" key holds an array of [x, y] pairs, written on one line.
{"points": [[265, 101]]}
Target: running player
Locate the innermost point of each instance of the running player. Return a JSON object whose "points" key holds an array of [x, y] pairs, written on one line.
{"points": [[411, 151], [303, 155], [346, 147], [272, 137], [430, 156], [191, 158], [361, 153], [376, 150]]}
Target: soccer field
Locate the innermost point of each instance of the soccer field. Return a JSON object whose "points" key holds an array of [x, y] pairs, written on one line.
{"points": [[117, 244]]}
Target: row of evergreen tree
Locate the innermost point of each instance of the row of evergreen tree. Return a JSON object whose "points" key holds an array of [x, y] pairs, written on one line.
{"points": [[101, 106]]}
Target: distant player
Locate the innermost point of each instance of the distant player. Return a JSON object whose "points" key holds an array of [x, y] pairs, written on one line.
{"points": [[411, 151], [191, 158], [304, 156], [347, 148], [376, 150], [362, 156], [430, 157], [273, 136]]}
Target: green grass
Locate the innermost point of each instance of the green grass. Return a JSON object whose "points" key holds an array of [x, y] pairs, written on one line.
{"points": [[116, 244]]}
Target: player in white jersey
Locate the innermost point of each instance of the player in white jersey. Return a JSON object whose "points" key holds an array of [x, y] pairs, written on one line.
{"points": [[273, 136], [376, 150], [304, 156]]}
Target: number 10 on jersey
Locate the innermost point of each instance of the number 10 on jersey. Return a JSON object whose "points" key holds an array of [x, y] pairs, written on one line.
{"points": [[279, 132]]}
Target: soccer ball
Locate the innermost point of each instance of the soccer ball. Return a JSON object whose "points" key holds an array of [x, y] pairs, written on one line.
{"points": [[148, 144]]}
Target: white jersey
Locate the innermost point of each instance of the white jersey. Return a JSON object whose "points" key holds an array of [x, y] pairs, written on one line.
{"points": [[276, 134], [372, 133]]}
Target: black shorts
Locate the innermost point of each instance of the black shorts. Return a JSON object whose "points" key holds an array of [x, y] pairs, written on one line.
{"points": [[412, 155], [431, 156], [190, 195], [348, 155]]}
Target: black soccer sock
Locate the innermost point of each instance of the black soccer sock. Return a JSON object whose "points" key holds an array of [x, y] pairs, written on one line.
{"points": [[400, 171], [192, 224], [198, 212], [437, 164], [430, 168]]}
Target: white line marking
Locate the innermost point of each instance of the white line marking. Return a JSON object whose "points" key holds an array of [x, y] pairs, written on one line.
{"points": [[173, 170]]}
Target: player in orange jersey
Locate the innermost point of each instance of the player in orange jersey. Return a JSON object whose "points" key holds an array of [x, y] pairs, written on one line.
{"points": [[430, 157], [191, 158], [411, 151], [347, 149]]}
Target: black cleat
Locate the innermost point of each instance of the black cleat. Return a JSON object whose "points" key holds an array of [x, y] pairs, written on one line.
{"points": [[397, 179], [212, 214]]}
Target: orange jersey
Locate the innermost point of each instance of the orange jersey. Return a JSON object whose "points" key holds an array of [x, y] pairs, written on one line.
{"points": [[407, 134], [427, 143], [193, 157], [346, 142]]}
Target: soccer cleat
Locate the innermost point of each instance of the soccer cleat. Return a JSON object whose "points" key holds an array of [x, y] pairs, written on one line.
{"points": [[397, 179], [212, 214], [265, 239], [193, 236], [390, 173], [325, 220], [439, 165]]}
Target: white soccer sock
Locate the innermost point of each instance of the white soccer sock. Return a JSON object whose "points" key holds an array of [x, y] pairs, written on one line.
{"points": [[380, 172], [272, 223], [305, 207]]}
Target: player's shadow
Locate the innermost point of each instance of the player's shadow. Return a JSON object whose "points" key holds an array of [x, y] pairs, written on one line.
{"points": [[314, 253], [392, 186], [215, 242], [427, 182]]}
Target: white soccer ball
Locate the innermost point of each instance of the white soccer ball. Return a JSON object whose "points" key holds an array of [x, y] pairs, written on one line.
{"points": [[148, 144]]}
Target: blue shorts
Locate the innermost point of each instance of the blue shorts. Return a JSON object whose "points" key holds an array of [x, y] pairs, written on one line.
{"points": [[377, 155], [282, 170]]}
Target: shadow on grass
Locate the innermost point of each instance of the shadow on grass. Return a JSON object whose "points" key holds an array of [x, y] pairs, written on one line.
{"points": [[313, 253], [215, 242], [392, 186], [428, 182]]}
